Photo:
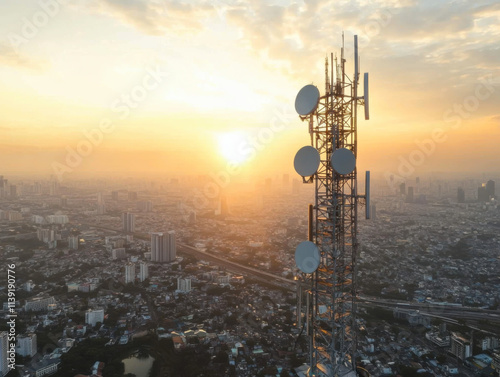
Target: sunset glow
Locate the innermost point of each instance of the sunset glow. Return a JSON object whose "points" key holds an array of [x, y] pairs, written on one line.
{"points": [[164, 71], [230, 146]]}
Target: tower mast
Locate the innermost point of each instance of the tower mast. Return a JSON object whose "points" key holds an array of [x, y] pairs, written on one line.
{"points": [[331, 286]]}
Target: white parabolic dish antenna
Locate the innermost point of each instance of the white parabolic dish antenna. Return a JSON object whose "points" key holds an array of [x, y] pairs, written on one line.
{"points": [[307, 257], [343, 161], [307, 99], [306, 161]]}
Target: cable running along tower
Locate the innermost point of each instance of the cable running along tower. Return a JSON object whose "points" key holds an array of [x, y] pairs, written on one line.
{"points": [[328, 259]]}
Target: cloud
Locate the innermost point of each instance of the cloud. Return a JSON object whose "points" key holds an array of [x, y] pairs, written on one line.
{"points": [[404, 27], [12, 58], [155, 17], [421, 55]]}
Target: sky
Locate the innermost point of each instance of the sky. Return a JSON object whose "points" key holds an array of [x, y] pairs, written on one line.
{"points": [[192, 86]]}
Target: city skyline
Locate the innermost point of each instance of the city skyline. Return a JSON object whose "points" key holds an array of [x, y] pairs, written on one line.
{"points": [[156, 218], [425, 252], [189, 87]]}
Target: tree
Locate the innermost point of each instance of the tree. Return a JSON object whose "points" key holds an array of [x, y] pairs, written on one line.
{"points": [[268, 370], [295, 361], [232, 320], [221, 358], [407, 371], [232, 371], [285, 373]]}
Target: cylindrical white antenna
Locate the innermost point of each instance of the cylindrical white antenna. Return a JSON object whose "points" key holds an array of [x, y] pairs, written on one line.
{"points": [[366, 97], [356, 67], [310, 223], [331, 78], [368, 198]]}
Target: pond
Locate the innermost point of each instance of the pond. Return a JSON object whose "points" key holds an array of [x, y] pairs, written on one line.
{"points": [[139, 367]]}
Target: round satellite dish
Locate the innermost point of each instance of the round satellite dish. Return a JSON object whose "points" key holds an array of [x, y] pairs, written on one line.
{"points": [[307, 257], [343, 161], [307, 99], [306, 161]]}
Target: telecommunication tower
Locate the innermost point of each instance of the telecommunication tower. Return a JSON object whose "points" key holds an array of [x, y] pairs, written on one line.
{"points": [[328, 259]]}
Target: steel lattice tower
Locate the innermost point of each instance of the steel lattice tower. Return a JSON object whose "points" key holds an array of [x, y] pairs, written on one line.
{"points": [[331, 288]]}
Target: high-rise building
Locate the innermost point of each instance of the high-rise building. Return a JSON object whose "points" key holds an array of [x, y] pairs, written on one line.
{"points": [[184, 285], [172, 246], [402, 188], [482, 194], [94, 316], [101, 209], [118, 253], [15, 216], [26, 345], [57, 219], [223, 279], [114, 195], [410, 197], [73, 242], [490, 188], [128, 222], [13, 191], [163, 247], [460, 195], [157, 246], [4, 349], [129, 273], [489, 343], [442, 329], [53, 188], [145, 205], [38, 304], [47, 235], [222, 206], [460, 347], [143, 271]]}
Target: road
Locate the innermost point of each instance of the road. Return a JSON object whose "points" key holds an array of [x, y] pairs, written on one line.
{"points": [[434, 310], [234, 267]]}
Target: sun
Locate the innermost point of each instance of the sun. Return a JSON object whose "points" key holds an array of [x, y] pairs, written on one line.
{"points": [[232, 146]]}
